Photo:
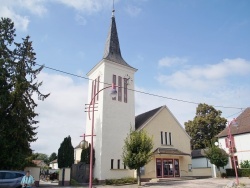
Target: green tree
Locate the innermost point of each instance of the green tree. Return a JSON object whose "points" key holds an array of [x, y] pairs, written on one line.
{"points": [[85, 155], [52, 156], [18, 84], [65, 153], [245, 164], [137, 151], [43, 156], [206, 124], [217, 156]]}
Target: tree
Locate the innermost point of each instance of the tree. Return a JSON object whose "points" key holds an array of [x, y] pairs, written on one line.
{"points": [[43, 156], [205, 126], [217, 156], [52, 156], [18, 84], [137, 151], [65, 153], [85, 155]]}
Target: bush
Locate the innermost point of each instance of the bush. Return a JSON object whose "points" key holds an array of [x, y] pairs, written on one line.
{"points": [[242, 172], [245, 164], [223, 175], [73, 182], [122, 181]]}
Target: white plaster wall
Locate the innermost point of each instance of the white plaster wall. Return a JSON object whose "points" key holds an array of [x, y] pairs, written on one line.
{"points": [[112, 121], [201, 163], [242, 147], [78, 152]]}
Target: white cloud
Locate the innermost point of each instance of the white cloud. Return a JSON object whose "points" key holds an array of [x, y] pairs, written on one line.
{"points": [[133, 10], [88, 6], [209, 76], [13, 9], [21, 22], [170, 61], [61, 114]]}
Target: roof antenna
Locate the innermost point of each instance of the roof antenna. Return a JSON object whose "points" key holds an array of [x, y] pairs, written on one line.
{"points": [[113, 11]]}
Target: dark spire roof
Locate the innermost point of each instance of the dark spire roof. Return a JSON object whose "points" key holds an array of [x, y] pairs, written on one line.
{"points": [[112, 50]]}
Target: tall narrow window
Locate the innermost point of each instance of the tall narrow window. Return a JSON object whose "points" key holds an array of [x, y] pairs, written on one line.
{"points": [[119, 88], [112, 163], [161, 137], [92, 91], [114, 82], [166, 138], [97, 89], [118, 164], [125, 90], [170, 139]]}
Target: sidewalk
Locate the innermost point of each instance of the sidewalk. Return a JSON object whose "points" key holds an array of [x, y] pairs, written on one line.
{"points": [[198, 183]]}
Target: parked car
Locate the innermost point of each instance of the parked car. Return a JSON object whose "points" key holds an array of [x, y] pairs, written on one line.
{"points": [[11, 179]]}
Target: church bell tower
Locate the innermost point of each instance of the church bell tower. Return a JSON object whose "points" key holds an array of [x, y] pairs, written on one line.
{"points": [[115, 116]]}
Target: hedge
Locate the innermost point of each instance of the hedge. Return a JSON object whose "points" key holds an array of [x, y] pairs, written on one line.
{"points": [[122, 181], [242, 172]]}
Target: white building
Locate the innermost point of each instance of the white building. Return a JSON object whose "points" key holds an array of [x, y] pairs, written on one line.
{"points": [[113, 116], [241, 137]]}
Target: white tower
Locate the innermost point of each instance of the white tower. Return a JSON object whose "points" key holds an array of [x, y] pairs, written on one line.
{"points": [[114, 116]]}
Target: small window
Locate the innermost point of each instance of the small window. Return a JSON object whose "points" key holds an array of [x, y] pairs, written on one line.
{"points": [[112, 163], [170, 139], [118, 164], [161, 137], [166, 138]]}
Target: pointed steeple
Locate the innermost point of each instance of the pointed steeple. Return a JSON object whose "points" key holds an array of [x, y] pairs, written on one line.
{"points": [[112, 50]]}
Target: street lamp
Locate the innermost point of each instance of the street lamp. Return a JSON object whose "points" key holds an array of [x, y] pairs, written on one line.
{"points": [[113, 93], [232, 147]]}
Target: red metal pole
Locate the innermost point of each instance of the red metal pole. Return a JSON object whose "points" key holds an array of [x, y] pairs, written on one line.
{"points": [[232, 151], [91, 147], [92, 102]]}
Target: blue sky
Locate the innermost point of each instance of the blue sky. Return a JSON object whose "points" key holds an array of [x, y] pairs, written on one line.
{"points": [[194, 50]]}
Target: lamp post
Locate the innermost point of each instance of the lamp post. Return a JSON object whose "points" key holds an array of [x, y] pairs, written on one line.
{"points": [[232, 147], [92, 106]]}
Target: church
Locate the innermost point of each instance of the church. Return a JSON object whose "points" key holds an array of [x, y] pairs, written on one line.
{"points": [[113, 118]]}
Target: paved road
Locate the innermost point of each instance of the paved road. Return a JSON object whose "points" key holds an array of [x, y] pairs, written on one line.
{"points": [[198, 183]]}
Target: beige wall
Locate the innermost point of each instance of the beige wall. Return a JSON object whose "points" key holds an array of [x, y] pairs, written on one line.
{"points": [[165, 121], [202, 171]]}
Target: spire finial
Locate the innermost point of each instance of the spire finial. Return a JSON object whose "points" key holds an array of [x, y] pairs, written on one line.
{"points": [[113, 11]]}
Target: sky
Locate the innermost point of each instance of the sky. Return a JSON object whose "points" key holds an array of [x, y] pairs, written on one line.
{"points": [[191, 50]]}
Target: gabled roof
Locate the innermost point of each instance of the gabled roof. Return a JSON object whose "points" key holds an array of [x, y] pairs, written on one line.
{"points": [[198, 153], [243, 125], [54, 161], [143, 118], [78, 146], [112, 50]]}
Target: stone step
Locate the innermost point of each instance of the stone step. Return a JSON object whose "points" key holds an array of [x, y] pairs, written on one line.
{"points": [[155, 180]]}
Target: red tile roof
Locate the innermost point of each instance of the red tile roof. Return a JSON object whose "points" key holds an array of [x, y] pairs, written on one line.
{"points": [[243, 125]]}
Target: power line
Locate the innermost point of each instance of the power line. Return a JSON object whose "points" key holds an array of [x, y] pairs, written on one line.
{"points": [[138, 91]]}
